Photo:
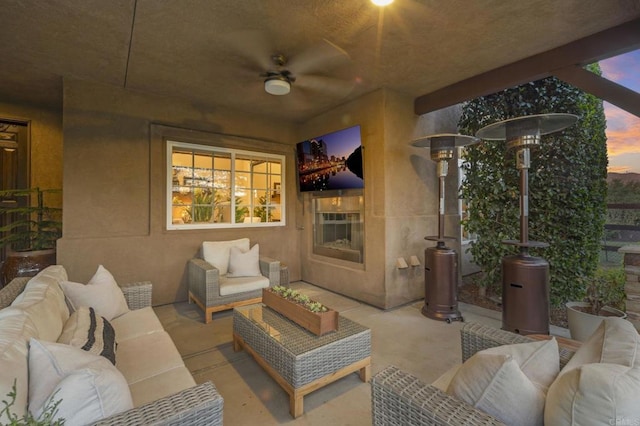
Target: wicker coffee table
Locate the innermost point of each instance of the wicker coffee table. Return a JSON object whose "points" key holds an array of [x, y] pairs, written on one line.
{"points": [[298, 360]]}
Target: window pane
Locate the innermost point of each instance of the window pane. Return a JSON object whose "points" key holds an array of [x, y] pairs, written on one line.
{"points": [[275, 168], [243, 180], [243, 164], [203, 160], [222, 161], [260, 166]]}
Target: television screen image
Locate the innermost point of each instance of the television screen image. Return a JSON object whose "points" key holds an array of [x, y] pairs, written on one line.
{"points": [[330, 162]]}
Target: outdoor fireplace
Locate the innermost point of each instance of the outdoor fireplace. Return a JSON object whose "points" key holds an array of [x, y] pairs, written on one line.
{"points": [[338, 224]]}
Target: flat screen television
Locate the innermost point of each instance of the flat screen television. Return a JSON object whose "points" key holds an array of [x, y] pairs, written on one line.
{"points": [[330, 162]]}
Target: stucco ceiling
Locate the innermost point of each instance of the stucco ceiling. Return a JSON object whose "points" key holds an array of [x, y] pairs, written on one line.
{"points": [[212, 52]]}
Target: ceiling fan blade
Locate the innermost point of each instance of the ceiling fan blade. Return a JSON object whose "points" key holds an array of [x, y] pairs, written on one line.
{"points": [[325, 85], [320, 57], [253, 45]]}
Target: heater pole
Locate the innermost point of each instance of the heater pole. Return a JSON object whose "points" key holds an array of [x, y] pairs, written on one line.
{"points": [[523, 164], [443, 166], [441, 262]]}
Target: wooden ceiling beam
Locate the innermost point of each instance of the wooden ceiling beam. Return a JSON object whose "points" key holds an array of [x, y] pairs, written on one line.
{"points": [[601, 87], [605, 44]]}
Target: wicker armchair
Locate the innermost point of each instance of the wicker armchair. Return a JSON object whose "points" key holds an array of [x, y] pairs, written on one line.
{"points": [[204, 285], [398, 398]]}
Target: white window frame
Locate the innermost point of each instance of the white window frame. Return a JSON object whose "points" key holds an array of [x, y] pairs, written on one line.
{"points": [[171, 144]]}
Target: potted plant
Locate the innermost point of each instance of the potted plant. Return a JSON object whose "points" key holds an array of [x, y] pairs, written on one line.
{"points": [[604, 297], [29, 231]]}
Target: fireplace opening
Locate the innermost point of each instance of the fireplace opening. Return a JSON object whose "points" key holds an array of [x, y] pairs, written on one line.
{"points": [[339, 227]]}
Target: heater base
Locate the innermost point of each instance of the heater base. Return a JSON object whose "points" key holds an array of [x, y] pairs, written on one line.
{"points": [[525, 294], [441, 284]]}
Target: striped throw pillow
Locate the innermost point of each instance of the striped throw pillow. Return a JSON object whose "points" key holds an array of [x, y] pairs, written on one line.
{"points": [[87, 330]]}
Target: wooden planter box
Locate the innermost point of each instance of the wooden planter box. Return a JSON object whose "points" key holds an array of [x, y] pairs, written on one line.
{"points": [[318, 323]]}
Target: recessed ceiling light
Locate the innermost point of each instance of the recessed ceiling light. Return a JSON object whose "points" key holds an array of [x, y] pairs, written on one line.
{"points": [[382, 2]]}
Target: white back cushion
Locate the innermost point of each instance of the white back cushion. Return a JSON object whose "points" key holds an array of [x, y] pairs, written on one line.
{"points": [[615, 341], [217, 252], [43, 301], [101, 293]]}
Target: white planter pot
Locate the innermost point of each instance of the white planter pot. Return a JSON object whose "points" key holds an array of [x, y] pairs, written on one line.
{"points": [[582, 324]]}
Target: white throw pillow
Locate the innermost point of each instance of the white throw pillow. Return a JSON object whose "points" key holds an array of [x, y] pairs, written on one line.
{"points": [[88, 386], [615, 341], [90, 332], [593, 395], [601, 382], [217, 252], [244, 263], [509, 382], [101, 292]]}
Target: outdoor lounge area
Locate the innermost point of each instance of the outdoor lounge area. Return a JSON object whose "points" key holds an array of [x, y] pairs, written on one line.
{"points": [[200, 158]]}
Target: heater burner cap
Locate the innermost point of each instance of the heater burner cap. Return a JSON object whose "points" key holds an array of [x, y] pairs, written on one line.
{"points": [[532, 244], [533, 125], [436, 238], [444, 141]]}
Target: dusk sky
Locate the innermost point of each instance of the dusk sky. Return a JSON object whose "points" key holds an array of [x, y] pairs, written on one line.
{"points": [[623, 128]]}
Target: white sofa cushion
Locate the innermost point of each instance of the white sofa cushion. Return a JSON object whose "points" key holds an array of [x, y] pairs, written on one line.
{"points": [[90, 332], [147, 355], [88, 386], [43, 301], [136, 323], [161, 385], [236, 285], [16, 328], [101, 293], [217, 252], [509, 382]]}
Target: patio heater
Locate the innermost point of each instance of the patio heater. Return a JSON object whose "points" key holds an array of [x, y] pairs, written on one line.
{"points": [[441, 262], [525, 278]]}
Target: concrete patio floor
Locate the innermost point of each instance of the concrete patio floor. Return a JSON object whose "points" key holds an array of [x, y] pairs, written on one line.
{"points": [[401, 336]]}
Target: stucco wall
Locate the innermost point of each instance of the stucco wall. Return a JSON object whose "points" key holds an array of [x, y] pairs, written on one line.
{"points": [[114, 183], [400, 196]]}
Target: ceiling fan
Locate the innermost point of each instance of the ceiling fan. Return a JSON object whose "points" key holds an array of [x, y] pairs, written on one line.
{"points": [[278, 81], [313, 68]]}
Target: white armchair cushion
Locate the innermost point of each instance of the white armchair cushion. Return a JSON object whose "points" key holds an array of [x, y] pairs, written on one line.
{"points": [[237, 285], [509, 382], [217, 252], [89, 387], [101, 293], [244, 263]]}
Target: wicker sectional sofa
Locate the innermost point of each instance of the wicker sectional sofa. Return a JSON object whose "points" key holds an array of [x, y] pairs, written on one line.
{"points": [[162, 389], [399, 398]]}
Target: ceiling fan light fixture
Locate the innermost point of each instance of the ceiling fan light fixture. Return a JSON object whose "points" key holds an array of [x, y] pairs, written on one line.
{"points": [[277, 86]]}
